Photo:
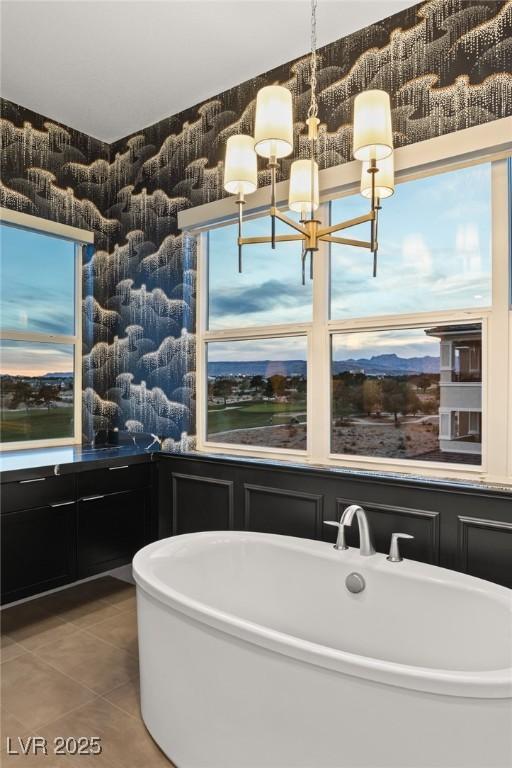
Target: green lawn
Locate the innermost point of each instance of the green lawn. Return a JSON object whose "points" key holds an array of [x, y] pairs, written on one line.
{"points": [[253, 414], [36, 424]]}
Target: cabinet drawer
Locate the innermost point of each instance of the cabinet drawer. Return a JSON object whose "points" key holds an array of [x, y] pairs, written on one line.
{"points": [[38, 550], [125, 477], [26, 494], [111, 529]]}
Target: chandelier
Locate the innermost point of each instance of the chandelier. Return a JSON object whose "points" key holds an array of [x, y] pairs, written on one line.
{"points": [[273, 140]]}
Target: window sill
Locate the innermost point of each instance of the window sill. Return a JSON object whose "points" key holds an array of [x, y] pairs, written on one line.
{"points": [[378, 476]]}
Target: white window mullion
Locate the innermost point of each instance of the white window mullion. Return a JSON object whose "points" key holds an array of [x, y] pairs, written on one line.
{"points": [[319, 386], [201, 326], [497, 386], [77, 346]]}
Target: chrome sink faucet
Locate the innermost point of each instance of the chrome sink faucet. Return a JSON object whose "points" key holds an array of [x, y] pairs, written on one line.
{"points": [[366, 547]]}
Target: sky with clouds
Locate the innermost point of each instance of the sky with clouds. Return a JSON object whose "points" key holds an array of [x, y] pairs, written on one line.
{"points": [[37, 286], [26, 358], [435, 254]]}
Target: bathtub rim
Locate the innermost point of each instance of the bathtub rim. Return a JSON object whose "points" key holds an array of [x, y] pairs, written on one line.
{"points": [[482, 684]]}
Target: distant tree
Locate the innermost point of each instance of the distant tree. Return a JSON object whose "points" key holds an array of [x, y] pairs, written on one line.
{"points": [[423, 382], [223, 388], [428, 406], [257, 382], [276, 385], [395, 397], [48, 394], [340, 397], [413, 401], [371, 395], [301, 384], [21, 393]]}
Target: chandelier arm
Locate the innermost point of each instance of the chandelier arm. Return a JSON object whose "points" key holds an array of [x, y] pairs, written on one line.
{"points": [[273, 167], [303, 265], [346, 224], [346, 241], [376, 243], [278, 239], [241, 203], [291, 223]]}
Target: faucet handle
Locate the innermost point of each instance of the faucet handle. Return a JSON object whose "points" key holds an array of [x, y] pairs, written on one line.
{"points": [[340, 541], [394, 550]]}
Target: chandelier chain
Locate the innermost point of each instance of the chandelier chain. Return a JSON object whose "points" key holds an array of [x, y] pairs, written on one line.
{"points": [[313, 107]]}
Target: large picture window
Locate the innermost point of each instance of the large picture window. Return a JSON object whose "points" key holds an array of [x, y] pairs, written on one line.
{"points": [[40, 354], [380, 373], [409, 393]]}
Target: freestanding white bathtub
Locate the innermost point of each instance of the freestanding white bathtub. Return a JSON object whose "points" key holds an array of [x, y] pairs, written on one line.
{"points": [[253, 654]]}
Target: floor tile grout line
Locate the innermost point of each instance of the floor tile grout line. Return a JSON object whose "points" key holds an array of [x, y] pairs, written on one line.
{"points": [[64, 714], [138, 718], [78, 682], [116, 706], [31, 650], [64, 674], [78, 630], [119, 611], [52, 613], [116, 687], [113, 761], [108, 642], [77, 627]]}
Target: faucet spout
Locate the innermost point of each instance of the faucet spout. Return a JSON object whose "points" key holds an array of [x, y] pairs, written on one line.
{"points": [[366, 547]]}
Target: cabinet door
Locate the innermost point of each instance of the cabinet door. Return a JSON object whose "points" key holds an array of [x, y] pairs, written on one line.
{"points": [[111, 528], [38, 549]]}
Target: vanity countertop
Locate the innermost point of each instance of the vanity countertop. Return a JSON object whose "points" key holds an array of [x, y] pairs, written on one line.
{"points": [[25, 464]]}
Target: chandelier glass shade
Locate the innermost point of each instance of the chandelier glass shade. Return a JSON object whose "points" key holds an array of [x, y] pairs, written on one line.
{"points": [[372, 134], [273, 126], [384, 178], [303, 176], [241, 166], [273, 140]]}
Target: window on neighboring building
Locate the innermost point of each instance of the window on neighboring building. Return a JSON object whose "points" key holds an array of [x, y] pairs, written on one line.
{"points": [[406, 354], [39, 338]]}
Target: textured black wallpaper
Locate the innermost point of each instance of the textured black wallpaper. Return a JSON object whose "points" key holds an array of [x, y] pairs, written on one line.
{"points": [[447, 65]]}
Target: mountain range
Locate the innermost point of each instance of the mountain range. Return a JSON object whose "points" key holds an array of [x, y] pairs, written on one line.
{"points": [[377, 365]]}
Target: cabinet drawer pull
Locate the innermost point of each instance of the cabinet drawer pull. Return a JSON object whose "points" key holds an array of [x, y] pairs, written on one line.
{"points": [[35, 480], [125, 466], [61, 504], [93, 498]]}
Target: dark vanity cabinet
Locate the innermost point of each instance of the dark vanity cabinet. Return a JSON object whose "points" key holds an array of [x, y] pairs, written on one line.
{"points": [[38, 536], [113, 518], [55, 530]]}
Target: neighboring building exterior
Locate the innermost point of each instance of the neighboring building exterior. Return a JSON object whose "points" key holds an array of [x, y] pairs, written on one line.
{"points": [[460, 387]]}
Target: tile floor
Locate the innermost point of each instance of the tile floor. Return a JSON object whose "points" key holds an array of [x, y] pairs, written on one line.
{"points": [[70, 668]]}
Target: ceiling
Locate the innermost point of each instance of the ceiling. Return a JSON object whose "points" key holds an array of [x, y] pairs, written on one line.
{"points": [[112, 67]]}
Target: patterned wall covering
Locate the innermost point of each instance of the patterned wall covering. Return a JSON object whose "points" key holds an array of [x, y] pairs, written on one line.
{"points": [[446, 65]]}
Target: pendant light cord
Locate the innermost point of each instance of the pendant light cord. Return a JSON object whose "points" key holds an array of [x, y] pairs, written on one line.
{"points": [[313, 107], [313, 114]]}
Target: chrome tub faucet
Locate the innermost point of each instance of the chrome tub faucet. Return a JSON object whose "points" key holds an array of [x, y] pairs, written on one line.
{"points": [[366, 547]]}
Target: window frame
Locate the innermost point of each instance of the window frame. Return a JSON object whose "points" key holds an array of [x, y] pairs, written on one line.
{"points": [[486, 143], [80, 238]]}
